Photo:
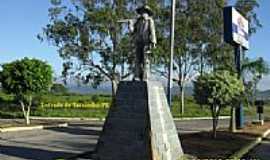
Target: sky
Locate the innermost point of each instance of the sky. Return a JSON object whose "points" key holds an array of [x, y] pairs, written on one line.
{"points": [[22, 20]]}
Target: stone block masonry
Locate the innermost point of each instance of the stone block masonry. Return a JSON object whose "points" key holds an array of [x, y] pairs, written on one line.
{"points": [[139, 126]]}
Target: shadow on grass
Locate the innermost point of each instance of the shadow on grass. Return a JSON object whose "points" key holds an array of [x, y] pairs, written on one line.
{"points": [[202, 145], [32, 153]]}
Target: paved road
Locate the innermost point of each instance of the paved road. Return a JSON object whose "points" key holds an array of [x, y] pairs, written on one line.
{"points": [[79, 137], [261, 151], [50, 143]]}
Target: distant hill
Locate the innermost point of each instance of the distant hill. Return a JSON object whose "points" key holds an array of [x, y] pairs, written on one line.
{"points": [[86, 89], [188, 91], [265, 95], [106, 89]]}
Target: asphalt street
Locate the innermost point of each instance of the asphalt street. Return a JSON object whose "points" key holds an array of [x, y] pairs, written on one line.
{"points": [[262, 151], [78, 137], [51, 143]]}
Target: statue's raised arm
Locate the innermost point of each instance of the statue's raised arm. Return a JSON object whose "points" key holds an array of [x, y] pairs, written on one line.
{"points": [[130, 23]]}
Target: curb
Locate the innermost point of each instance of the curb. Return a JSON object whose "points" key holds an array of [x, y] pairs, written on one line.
{"points": [[103, 119], [199, 118], [239, 154], [38, 127], [67, 118]]}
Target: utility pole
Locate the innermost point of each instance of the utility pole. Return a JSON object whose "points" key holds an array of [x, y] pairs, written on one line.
{"points": [[169, 89]]}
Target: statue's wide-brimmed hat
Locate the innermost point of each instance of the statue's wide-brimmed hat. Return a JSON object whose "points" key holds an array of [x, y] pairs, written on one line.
{"points": [[145, 9]]}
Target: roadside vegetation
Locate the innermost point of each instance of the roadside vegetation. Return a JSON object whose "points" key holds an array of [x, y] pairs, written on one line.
{"points": [[24, 79], [58, 105], [96, 106]]}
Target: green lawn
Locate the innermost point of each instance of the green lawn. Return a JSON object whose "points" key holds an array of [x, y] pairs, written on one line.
{"points": [[94, 106], [8, 109], [192, 109], [195, 110], [81, 113]]}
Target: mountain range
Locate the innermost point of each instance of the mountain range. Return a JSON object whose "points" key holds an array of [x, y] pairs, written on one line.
{"points": [[106, 89]]}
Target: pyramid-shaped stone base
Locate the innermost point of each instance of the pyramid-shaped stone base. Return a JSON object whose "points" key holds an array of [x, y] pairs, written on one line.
{"points": [[139, 126]]}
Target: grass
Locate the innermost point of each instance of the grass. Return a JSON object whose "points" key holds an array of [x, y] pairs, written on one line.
{"points": [[10, 112], [8, 109], [191, 110], [70, 98], [80, 113], [195, 110]]}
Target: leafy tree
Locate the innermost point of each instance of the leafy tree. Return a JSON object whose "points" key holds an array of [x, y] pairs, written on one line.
{"points": [[89, 39], [248, 10], [95, 98], [58, 88], [254, 70], [191, 27], [25, 78], [218, 90], [198, 30], [200, 44], [217, 53], [95, 47], [214, 53]]}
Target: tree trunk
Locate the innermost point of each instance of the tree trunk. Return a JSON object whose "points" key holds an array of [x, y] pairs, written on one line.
{"points": [[114, 90], [27, 119], [214, 134], [26, 112], [182, 92], [254, 93], [232, 120], [201, 72], [215, 116]]}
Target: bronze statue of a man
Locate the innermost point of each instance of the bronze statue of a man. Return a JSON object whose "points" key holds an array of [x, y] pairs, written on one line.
{"points": [[144, 36]]}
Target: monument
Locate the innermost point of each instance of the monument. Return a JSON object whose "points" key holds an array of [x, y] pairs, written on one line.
{"points": [[144, 36], [139, 125]]}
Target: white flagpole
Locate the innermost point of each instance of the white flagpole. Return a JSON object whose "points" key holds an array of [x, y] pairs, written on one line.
{"points": [[171, 53]]}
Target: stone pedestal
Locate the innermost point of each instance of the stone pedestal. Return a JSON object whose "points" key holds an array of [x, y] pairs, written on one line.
{"points": [[139, 126]]}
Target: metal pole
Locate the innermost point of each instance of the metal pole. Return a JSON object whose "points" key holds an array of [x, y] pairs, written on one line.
{"points": [[169, 96], [239, 112]]}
